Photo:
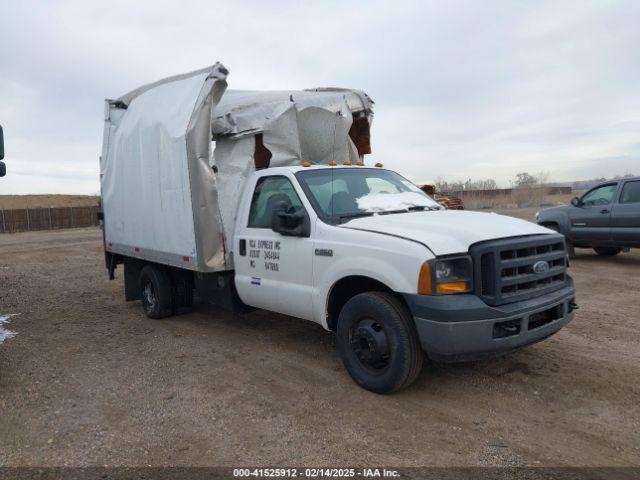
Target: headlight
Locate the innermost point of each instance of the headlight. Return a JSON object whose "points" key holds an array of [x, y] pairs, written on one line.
{"points": [[445, 276], [444, 270]]}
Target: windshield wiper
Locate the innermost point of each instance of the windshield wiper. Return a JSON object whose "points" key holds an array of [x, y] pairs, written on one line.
{"points": [[422, 208], [389, 212], [349, 216], [415, 208]]}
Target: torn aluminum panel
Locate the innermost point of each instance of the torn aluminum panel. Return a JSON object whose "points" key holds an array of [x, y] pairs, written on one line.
{"points": [[286, 128], [159, 193], [242, 112], [169, 197]]}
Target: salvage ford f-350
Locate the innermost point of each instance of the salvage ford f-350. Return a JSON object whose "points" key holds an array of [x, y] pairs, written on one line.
{"points": [[238, 197]]}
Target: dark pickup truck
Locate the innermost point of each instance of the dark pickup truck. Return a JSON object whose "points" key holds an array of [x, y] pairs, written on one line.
{"points": [[606, 218]]}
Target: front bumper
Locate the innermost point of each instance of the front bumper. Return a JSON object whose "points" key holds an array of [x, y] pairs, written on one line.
{"points": [[462, 327]]}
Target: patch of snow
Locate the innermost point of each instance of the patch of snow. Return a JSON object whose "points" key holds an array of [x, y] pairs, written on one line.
{"points": [[4, 319], [383, 202]]}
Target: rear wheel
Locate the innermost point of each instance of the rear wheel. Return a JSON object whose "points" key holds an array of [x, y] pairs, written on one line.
{"points": [[607, 251], [156, 292], [378, 343]]}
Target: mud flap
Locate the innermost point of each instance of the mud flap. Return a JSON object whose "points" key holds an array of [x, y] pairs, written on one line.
{"points": [[182, 284], [132, 270]]}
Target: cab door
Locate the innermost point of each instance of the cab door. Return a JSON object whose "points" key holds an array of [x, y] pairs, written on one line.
{"points": [[625, 217], [274, 271], [591, 221]]}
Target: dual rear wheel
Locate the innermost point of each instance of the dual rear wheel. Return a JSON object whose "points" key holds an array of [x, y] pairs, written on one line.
{"points": [[163, 292]]}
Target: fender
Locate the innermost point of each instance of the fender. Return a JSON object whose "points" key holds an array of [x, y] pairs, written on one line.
{"points": [[559, 217], [398, 277]]}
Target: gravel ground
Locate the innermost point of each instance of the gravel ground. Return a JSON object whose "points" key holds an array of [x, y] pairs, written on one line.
{"points": [[89, 380]]}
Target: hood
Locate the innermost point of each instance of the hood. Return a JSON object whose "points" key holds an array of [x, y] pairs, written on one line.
{"points": [[447, 231], [557, 208]]}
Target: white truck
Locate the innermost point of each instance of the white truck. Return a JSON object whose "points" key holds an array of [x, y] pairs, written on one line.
{"points": [[262, 200]]}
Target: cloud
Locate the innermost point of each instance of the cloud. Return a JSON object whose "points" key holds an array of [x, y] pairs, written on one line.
{"points": [[462, 89]]}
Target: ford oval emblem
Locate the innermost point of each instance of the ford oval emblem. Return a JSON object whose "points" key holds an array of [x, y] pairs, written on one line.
{"points": [[541, 267]]}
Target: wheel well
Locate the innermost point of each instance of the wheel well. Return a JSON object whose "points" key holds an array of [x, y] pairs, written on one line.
{"points": [[346, 288], [551, 225]]}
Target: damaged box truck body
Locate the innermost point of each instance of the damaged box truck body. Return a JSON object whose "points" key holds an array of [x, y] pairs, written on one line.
{"points": [[177, 152], [262, 200]]}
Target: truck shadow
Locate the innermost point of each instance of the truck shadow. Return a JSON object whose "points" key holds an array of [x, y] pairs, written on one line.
{"points": [[523, 368], [278, 327], [298, 340]]}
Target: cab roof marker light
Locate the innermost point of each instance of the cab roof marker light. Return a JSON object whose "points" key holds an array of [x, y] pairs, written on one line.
{"points": [[379, 165], [306, 164], [360, 163], [333, 163], [346, 162]]}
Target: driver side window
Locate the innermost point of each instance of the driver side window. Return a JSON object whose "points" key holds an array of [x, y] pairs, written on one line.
{"points": [[269, 194], [600, 196]]}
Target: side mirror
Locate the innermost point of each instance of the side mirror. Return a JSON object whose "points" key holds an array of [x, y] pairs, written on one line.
{"points": [[3, 169], [576, 202], [288, 223]]}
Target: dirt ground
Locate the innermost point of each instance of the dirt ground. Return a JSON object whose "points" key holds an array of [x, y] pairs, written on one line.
{"points": [[8, 202], [89, 380]]}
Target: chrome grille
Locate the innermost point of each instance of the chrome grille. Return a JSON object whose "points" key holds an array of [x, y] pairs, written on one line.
{"points": [[504, 269]]}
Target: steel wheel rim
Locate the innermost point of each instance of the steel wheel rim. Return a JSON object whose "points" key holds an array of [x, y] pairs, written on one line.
{"points": [[370, 345], [149, 296]]}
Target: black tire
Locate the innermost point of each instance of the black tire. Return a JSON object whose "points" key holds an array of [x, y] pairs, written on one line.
{"points": [[156, 292], [607, 251], [378, 343]]}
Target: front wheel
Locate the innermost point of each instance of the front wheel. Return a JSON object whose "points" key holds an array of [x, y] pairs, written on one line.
{"points": [[607, 251], [378, 343]]}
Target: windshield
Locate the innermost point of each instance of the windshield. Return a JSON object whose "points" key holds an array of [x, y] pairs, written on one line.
{"points": [[339, 194]]}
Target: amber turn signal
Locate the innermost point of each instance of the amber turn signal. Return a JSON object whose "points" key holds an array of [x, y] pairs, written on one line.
{"points": [[424, 280], [452, 287]]}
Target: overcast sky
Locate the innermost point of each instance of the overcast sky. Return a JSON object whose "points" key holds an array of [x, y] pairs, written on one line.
{"points": [[463, 89]]}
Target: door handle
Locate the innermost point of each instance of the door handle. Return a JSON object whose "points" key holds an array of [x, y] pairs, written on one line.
{"points": [[243, 247], [604, 210]]}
